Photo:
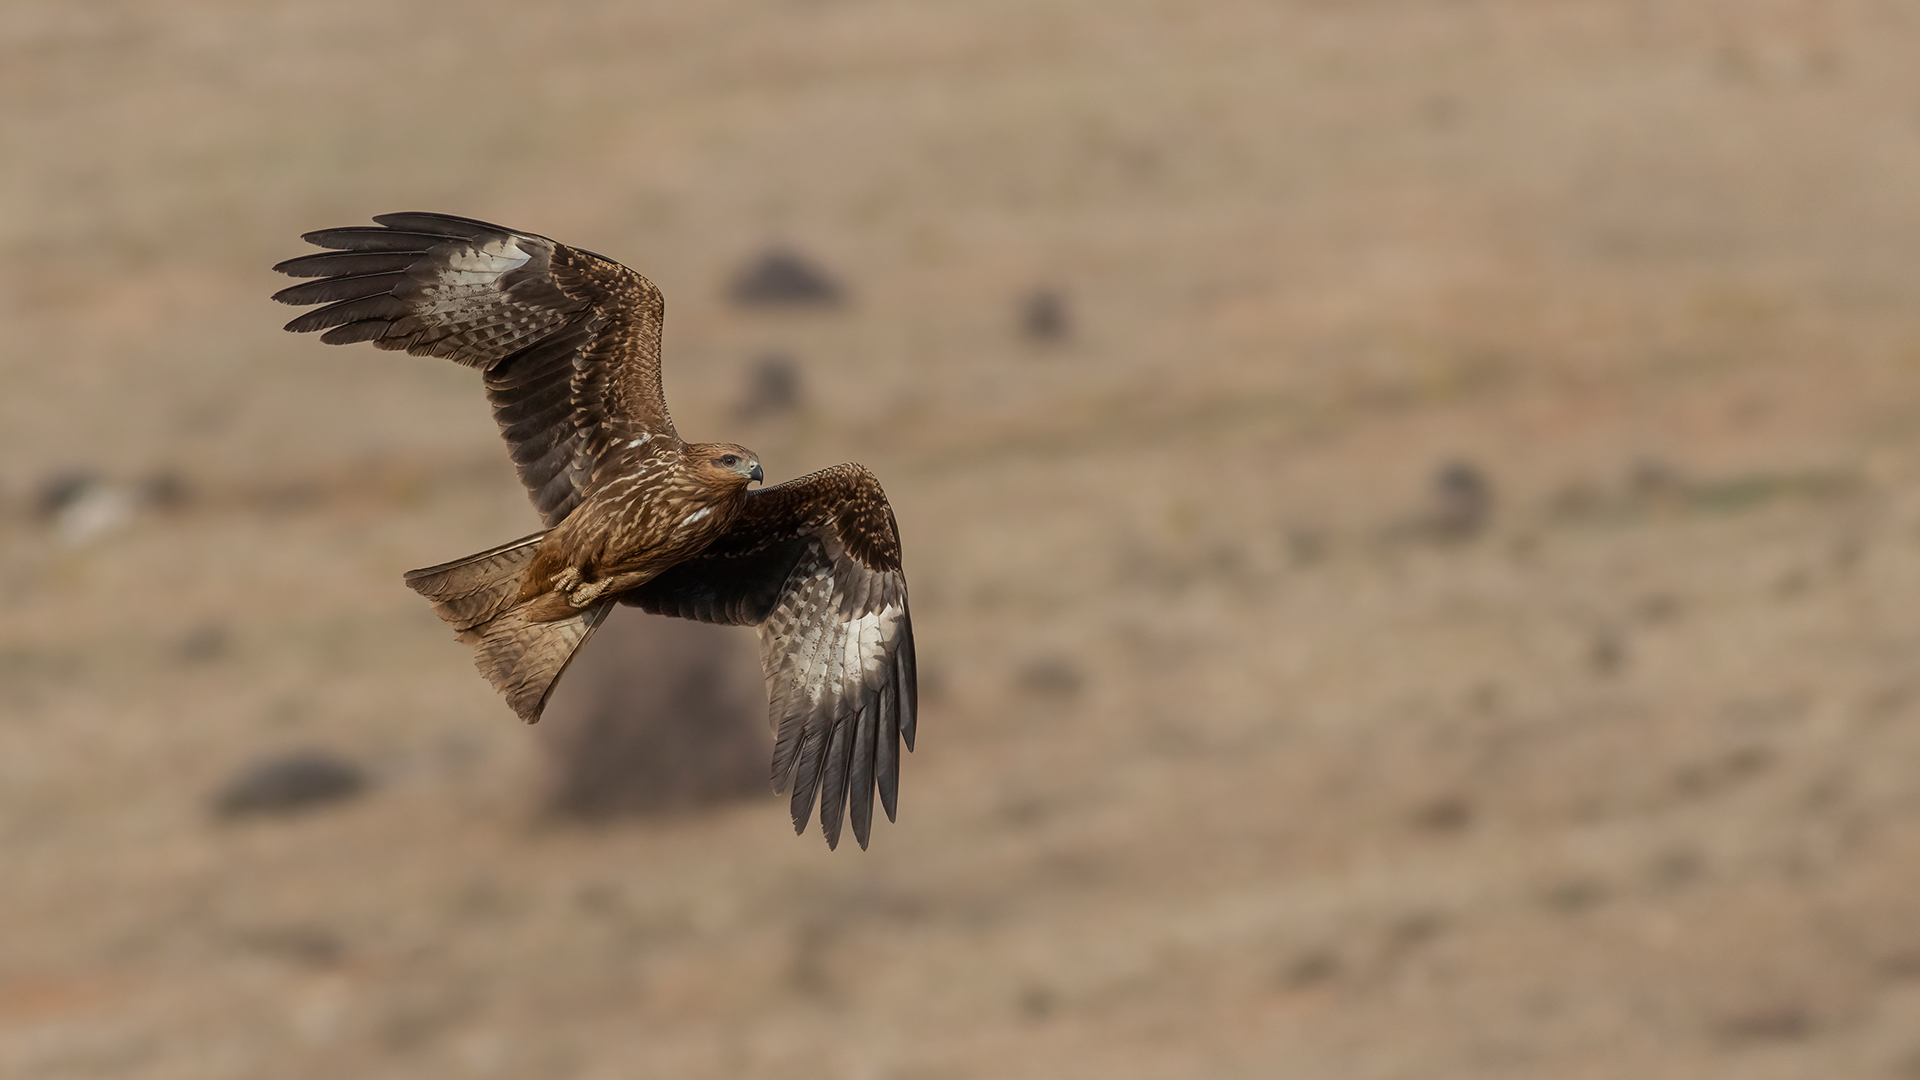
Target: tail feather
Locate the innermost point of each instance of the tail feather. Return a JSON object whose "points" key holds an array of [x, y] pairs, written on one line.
{"points": [[522, 658], [471, 591]]}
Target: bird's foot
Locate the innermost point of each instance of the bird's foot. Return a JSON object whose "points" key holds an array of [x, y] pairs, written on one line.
{"points": [[573, 584], [583, 594]]}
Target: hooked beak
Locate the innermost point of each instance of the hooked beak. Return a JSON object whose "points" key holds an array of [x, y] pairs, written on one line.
{"points": [[756, 475]]}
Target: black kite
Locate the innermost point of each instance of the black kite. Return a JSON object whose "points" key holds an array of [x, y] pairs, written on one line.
{"points": [[569, 345]]}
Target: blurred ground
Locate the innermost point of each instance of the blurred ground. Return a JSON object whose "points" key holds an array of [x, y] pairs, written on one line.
{"points": [[1251, 745]]}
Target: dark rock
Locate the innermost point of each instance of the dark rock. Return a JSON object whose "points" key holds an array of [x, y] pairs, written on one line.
{"points": [[773, 388], [1575, 894], [1676, 867], [164, 491], [1657, 482], [59, 490], [1043, 316], [1783, 1022], [1449, 813], [1462, 501], [1412, 932], [1038, 1002], [1051, 676], [1607, 653], [290, 783], [1306, 546], [1310, 968], [657, 715], [208, 641], [781, 277], [311, 945]]}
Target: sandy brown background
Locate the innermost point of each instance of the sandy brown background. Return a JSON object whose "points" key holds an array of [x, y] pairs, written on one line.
{"points": [[1232, 762]]}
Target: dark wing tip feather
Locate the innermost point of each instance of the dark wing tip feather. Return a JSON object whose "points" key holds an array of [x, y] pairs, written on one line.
{"points": [[324, 263], [860, 776], [839, 773], [365, 330], [450, 226], [382, 307], [807, 769], [341, 287], [906, 667], [362, 238], [886, 750]]}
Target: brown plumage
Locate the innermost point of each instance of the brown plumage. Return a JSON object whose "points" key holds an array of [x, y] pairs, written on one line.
{"points": [[568, 343]]}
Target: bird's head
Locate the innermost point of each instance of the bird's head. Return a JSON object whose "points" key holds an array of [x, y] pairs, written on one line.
{"points": [[726, 463]]}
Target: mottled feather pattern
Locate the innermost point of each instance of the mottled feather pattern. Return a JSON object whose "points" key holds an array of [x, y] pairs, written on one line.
{"points": [[568, 343], [531, 313]]}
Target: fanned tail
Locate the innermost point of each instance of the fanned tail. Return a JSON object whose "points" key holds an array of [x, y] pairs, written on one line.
{"points": [[522, 658], [469, 592]]}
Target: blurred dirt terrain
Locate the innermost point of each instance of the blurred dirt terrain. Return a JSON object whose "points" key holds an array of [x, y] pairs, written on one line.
{"points": [[1438, 597]]}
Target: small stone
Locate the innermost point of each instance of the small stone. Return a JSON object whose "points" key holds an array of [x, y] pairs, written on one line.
{"points": [[1037, 1002], [290, 783], [1462, 501], [208, 641], [1446, 814], [1606, 653], [1575, 895], [1784, 1022], [781, 277], [1051, 677], [1043, 316], [164, 491], [59, 490], [773, 387], [1310, 968]]}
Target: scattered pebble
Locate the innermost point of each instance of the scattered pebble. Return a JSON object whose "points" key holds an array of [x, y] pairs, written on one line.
{"points": [[81, 505], [208, 641], [773, 387], [1310, 968], [781, 277], [1785, 1022], [1051, 676], [1462, 501], [1449, 813], [62, 489], [290, 783], [1043, 316], [311, 945], [1038, 1002], [1575, 894], [1606, 653]]}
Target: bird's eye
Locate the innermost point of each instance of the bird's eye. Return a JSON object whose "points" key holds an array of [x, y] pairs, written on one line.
{"points": [[729, 461]]}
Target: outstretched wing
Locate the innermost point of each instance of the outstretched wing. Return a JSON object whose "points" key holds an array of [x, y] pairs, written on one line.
{"points": [[815, 563], [569, 341]]}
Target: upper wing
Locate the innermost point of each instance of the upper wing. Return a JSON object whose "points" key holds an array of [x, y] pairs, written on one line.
{"points": [[815, 562], [569, 341]]}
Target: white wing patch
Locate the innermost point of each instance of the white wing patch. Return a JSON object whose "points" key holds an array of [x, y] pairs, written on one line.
{"points": [[480, 265], [863, 653]]}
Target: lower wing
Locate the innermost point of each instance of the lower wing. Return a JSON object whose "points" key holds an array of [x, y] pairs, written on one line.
{"points": [[815, 564]]}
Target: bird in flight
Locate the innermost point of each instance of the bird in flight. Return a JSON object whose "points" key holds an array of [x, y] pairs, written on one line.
{"points": [[568, 344]]}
